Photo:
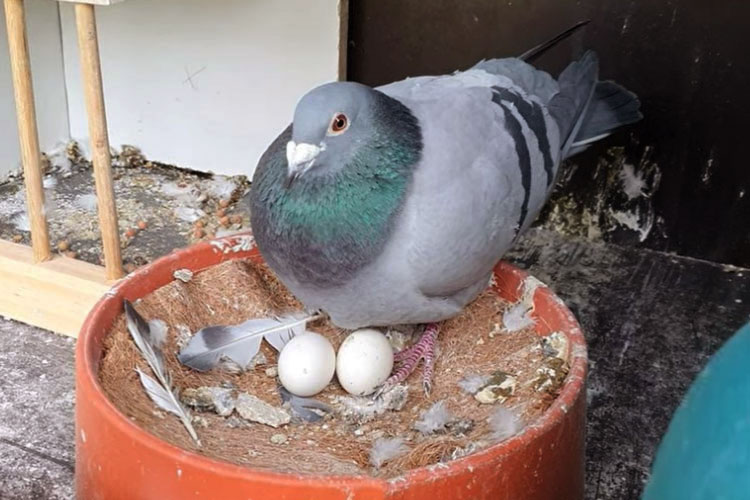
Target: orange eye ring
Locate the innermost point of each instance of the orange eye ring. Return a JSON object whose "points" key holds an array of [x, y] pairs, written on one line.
{"points": [[339, 124]]}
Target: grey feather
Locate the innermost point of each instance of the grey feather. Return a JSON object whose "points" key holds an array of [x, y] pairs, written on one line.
{"points": [[577, 84], [241, 342], [149, 341], [307, 409], [611, 107], [158, 394]]}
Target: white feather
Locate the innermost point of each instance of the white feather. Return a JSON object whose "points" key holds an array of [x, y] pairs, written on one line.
{"points": [[472, 383], [434, 419], [386, 449], [504, 423]]}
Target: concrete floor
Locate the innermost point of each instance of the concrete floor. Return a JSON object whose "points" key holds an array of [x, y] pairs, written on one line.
{"points": [[36, 413], [651, 321]]}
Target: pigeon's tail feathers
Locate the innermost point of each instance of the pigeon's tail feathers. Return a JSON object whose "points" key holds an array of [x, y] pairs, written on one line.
{"points": [[570, 105], [535, 51], [612, 106]]}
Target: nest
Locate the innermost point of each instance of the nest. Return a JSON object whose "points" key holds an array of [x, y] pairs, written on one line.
{"points": [[471, 344]]}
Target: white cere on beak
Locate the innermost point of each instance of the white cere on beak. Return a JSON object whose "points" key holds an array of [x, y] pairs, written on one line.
{"points": [[301, 157]]}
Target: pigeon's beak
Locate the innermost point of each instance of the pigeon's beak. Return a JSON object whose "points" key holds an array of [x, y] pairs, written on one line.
{"points": [[300, 157]]}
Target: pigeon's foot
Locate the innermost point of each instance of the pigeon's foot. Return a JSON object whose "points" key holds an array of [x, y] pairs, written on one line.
{"points": [[408, 360]]}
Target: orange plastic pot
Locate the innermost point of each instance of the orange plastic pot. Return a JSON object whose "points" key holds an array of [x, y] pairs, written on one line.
{"points": [[115, 459]]}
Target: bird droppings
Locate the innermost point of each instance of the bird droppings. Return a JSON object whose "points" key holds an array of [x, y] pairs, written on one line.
{"points": [[361, 409], [149, 201], [215, 399], [279, 439], [471, 384], [617, 207], [184, 275], [342, 439], [256, 410], [499, 387]]}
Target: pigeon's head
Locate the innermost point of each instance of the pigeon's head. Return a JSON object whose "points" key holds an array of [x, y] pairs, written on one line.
{"points": [[330, 123]]}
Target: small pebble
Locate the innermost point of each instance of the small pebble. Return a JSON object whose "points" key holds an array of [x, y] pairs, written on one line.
{"points": [[184, 275], [278, 439], [129, 267], [199, 224], [71, 254], [142, 224], [221, 213], [198, 233], [223, 203], [224, 221], [130, 233], [236, 219], [17, 238], [63, 245], [272, 371]]}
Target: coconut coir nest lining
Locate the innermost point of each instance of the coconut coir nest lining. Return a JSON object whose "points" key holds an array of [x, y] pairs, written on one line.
{"points": [[230, 293]]}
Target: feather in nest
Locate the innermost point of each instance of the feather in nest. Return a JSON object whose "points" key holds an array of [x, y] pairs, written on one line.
{"points": [[241, 342], [149, 338]]}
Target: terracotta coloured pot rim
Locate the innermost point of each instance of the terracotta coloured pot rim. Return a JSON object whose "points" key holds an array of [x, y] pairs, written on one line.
{"points": [[86, 355]]}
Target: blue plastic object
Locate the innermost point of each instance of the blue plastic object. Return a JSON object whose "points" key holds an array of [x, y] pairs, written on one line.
{"points": [[705, 453]]}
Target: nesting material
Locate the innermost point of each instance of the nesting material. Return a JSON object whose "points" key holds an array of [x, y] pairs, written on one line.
{"points": [[241, 417]]}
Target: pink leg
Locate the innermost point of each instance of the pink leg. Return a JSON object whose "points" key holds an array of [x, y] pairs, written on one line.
{"points": [[410, 357]]}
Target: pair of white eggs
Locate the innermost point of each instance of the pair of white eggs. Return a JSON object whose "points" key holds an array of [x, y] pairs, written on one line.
{"points": [[308, 362]]}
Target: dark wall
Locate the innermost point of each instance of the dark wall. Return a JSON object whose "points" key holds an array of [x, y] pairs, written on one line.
{"points": [[687, 61]]}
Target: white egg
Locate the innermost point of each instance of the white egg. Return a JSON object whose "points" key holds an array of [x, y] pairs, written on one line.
{"points": [[364, 361], [307, 364]]}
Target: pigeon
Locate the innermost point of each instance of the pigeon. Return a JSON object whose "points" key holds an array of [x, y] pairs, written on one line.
{"points": [[392, 205]]}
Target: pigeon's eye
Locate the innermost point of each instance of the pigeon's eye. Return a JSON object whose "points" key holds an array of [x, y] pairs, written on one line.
{"points": [[339, 123]]}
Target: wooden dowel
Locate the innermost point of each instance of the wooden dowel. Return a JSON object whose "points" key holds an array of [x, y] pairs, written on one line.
{"points": [[88, 47], [27, 129]]}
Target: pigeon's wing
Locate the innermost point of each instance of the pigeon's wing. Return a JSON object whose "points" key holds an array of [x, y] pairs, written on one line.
{"points": [[532, 81], [490, 154]]}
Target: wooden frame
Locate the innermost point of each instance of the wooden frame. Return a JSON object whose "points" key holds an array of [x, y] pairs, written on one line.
{"points": [[37, 287], [40, 289]]}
